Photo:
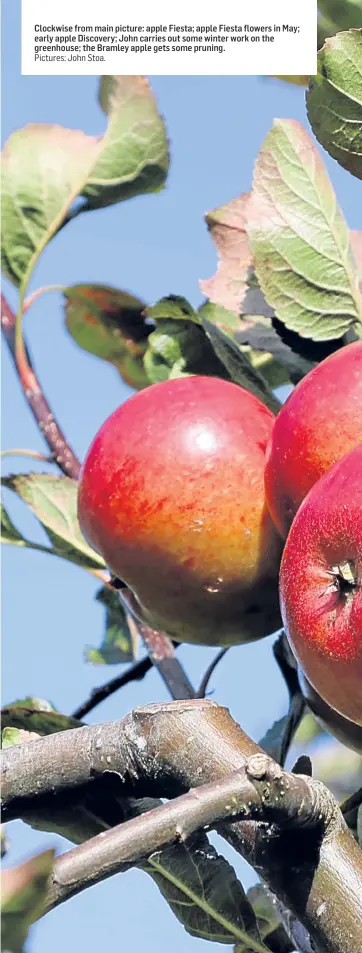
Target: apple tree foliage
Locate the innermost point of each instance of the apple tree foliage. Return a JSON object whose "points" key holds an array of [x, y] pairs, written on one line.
{"points": [[287, 291]]}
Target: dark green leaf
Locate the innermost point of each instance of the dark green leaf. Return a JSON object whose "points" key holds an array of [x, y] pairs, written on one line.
{"points": [[54, 501], [300, 241], [23, 891], [175, 307], [239, 367], [268, 919], [179, 345], [343, 15], [334, 99], [265, 338], [36, 715], [110, 324], [133, 155], [117, 645], [204, 893]]}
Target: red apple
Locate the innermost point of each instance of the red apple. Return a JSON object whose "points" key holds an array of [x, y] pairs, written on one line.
{"points": [[318, 424], [342, 728], [321, 586], [171, 494]]}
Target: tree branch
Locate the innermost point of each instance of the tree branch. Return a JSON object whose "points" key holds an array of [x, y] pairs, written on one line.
{"points": [[312, 863], [131, 843], [133, 674], [62, 453], [160, 650]]}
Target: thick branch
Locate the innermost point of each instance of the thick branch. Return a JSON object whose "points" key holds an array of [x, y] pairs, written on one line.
{"points": [[131, 843], [165, 750], [61, 451]]}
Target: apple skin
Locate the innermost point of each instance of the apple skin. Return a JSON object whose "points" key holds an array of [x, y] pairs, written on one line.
{"points": [[319, 423], [321, 586], [342, 728], [171, 493]]}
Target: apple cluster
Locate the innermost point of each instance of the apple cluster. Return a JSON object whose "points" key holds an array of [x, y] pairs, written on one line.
{"points": [[225, 522]]}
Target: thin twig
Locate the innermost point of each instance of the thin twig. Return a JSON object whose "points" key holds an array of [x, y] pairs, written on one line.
{"points": [[288, 669], [63, 455], [98, 695], [209, 671]]}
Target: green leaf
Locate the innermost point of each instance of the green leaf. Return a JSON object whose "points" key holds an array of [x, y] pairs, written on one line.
{"points": [[265, 338], [133, 155], [239, 367], [334, 99], [228, 321], [44, 167], [204, 893], [16, 736], [267, 918], [175, 307], [9, 533], [35, 715], [307, 731], [23, 891], [118, 644], [179, 345], [110, 324], [300, 241], [54, 501], [343, 15]]}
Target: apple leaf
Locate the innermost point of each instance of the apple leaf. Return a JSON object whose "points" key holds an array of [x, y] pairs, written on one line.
{"points": [[44, 167], [173, 307], [334, 99], [265, 338], [23, 891], [118, 643], [204, 893], [269, 924], [16, 736], [54, 501], [36, 715], [295, 80], [9, 533], [133, 156], [239, 367], [356, 245], [179, 346], [228, 321], [110, 324], [344, 15], [227, 228], [300, 241]]}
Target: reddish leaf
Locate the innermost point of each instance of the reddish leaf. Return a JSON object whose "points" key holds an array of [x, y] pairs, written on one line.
{"points": [[227, 227]]}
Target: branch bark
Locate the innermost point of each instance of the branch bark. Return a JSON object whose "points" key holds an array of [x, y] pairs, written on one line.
{"points": [[164, 750], [61, 452]]}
